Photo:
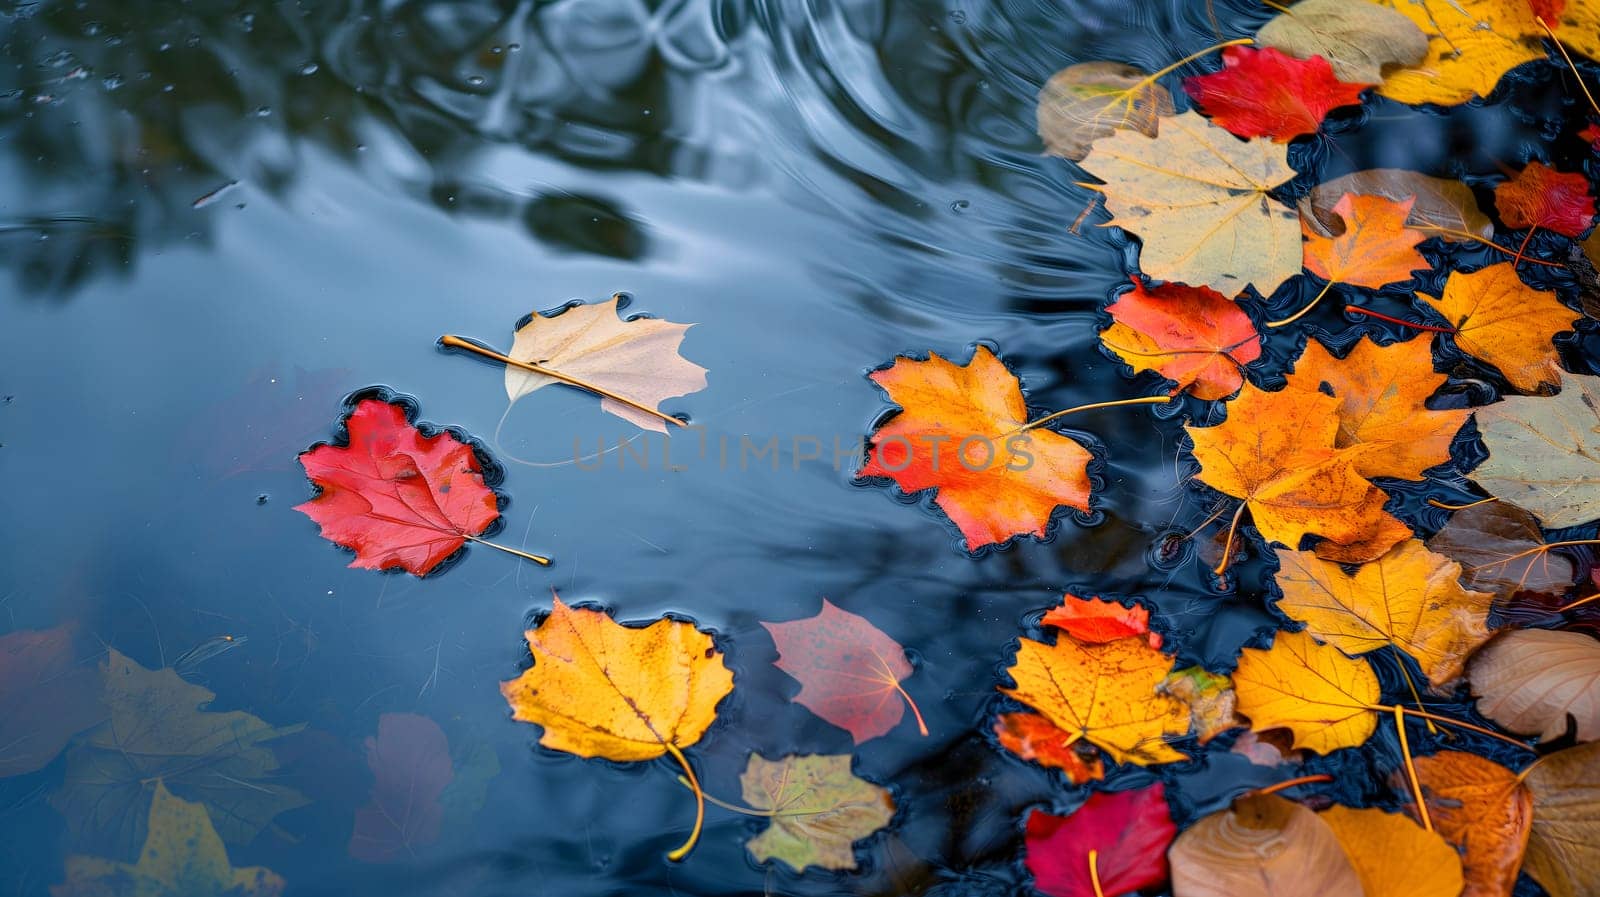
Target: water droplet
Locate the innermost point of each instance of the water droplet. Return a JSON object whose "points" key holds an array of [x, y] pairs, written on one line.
{"points": [[475, 80], [513, 47], [111, 82], [263, 111], [496, 51], [959, 16], [262, 498], [960, 206], [309, 68]]}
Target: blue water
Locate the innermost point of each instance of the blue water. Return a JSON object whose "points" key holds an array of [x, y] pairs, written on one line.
{"points": [[218, 220]]}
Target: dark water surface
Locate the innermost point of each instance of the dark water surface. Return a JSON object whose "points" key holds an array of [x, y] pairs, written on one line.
{"points": [[216, 220]]}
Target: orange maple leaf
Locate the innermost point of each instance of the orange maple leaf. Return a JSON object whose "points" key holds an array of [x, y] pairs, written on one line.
{"points": [[1382, 393], [1276, 452], [1032, 737], [964, 431], [1095, 621], [1193, 335], [1376, 248], [1505, 322]]}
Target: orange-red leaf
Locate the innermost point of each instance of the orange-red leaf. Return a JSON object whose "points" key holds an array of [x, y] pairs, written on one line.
{"points": [[1095, 621], [46, 697], [394, 496], [1266, 93], [1376, 248], [1193, 335], [1540, 196], [849, 670], [1484, 810], [1032, 737], [959, 433]]}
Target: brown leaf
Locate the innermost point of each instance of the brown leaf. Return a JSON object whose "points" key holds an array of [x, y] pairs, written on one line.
{"points": [[1480, 807], [1481, 538], [1084, 102], [1262, 847], [1441, 205], [1531, 680], [1564, 845]]}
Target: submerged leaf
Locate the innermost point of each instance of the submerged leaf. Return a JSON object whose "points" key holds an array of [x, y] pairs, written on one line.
{"points": [[1484, 810], [1359, 39], [1314, 690], [1084, 102], [1264, 846], [819, 808], [1210, 697], [1544, 452], [46, 696], [1505, 322], [410, 763], [1482, 539], [1128, 832], [1394, 856], [1440, 208], [849, 670], [1531, 680]]}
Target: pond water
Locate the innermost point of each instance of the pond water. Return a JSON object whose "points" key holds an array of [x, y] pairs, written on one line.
{"points": [[218, 220]]}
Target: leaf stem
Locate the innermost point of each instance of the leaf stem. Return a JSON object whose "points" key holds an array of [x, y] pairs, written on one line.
{"points": [[764, 814], [1538, 549], [1227, 548], [1575, 73], [1469, 235], [1411, 768], [1579, 603], [699, 801], [539, 559], [1517, 259], [1472, 504], [1143, 400], [1286, 784], [1450, 722], [1309, 306], [1412, 686], [1094, 872], [451, 341], [1401, 321], [915, 711], [1156, 76]]}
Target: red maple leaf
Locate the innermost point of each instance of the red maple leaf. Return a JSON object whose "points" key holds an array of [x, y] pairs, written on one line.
{"points": [[1540, 196], [394, 496], [1265, 93], [1592, 134], [47, 695], [1549, 10], [410, 762], [1096, 621], [849, 671], [1127, 832], [1192, 335]]}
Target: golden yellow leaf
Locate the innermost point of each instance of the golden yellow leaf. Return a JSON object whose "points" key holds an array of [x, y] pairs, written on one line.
{"points": [[1325, 698], [819, 808], [1505, 322], [1105, 694], [1471, 44], [1197, 197], [1410, 598], [1394, 856]]}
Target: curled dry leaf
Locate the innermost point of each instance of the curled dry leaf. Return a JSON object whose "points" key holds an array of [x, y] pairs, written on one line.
{"points": [[46, 696], [1197, 197], [1563, 850], [1194, 336], [1483, 809], [818, 807], [182, 857], [1095, 621], [849, 671], [1263, 846], [1265, 93], [1503, 321], [410, 763], [1382, 394], [636, 358], [1440, 208], [1084, 102], [1373, 249], [1032, 737], [1544, 452], [1410, 599], [1482, 538], [1531, 680], [1325, 698], [1540, 196], [961, 431], [1359, 39], [1394, 856], [1128, 832], [1104, 694]]}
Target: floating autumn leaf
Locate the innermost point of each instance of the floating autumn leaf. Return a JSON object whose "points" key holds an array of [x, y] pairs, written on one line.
{"points": [[1544, 452], [818, 808], [624, 693], [1503, 321], [398, 497], [963, 430], [1440, 208], [1264, 846], [849, 671], [1410, 599], [1095, 621], [1393, 856], [1472, 43], [1210, 698], [1084, 102], [1500, 549], [1266, 93], [1327, 699], [633, 363], [410, 763], [182, 857], [47, 695], [156, 728], [1115, 843], [1276, 453], [1197, 197], [1373, 249], [1032, 737], [1382, 394], [1103, 694], [1484, 810], [1192, 335], [1532, 680], [1541, 197], [1359, 39], [1563, 854]]}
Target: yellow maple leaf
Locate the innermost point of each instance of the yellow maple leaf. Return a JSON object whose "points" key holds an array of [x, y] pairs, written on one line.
{"points": [[1197, 196], [1105, 694], [601, 689], [1410, 599], [1326, 699], [1505, 322], [1473, 43]]}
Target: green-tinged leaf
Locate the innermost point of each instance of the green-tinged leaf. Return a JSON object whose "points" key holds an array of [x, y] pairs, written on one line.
{"points": [[818, 808]]}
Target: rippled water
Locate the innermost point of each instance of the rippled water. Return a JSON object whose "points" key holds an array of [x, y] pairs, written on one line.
{"points": [[217, 220]]}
